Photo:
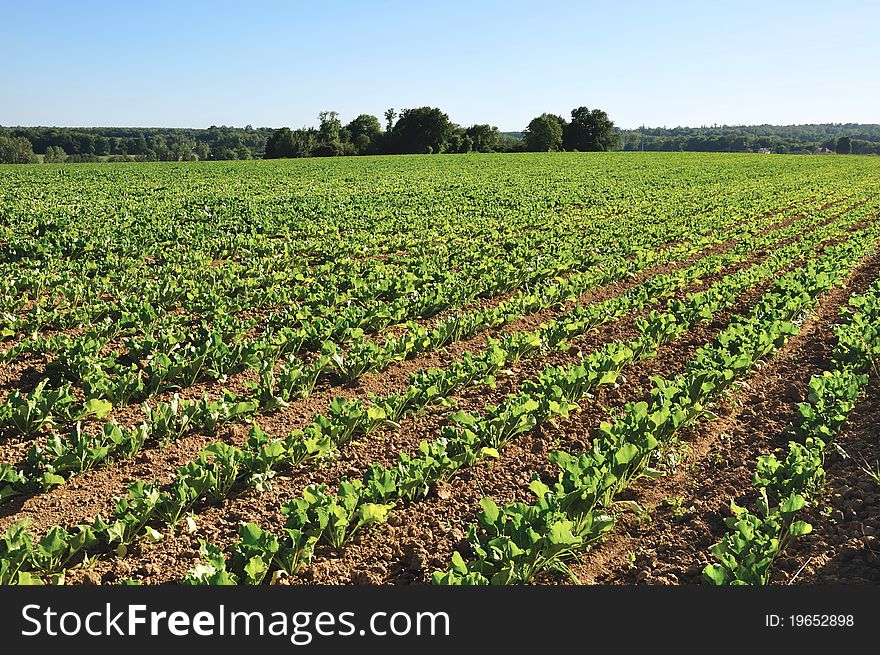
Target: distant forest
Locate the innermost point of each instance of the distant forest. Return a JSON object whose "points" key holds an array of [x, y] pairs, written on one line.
{"points": [[418, 130], [847, 138]]}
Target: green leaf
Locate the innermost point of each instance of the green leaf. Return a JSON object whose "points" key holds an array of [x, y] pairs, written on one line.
{"points": [[538, 488], [490, 510], [152, 535], [95, 407], [626, 454], [800, 528], [374, 512], [560, 534], [716, 574], [792, 504], [28, 579], [464, 418], [256, 569], [458, 563]]}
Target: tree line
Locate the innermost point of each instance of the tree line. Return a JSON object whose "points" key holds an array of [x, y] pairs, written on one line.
{"points": [[420, 130], [428, 130], [842, 138], [91, 144]]}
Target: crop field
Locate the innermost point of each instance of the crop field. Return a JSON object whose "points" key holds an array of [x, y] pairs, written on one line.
{"points": [[549, 369]]}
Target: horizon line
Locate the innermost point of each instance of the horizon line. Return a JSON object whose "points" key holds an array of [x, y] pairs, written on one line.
{"points": [[265, 127]]}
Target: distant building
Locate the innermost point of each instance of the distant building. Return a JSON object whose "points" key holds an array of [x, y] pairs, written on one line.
{"points": [[765, 151], [824, 151]]}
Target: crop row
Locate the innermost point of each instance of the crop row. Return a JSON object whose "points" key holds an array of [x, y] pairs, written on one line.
{"points": [[755, 539], [220, 467], [320, 516], [59, 457], [116, 286], [110, 237], [512, 544], [175, 359]]}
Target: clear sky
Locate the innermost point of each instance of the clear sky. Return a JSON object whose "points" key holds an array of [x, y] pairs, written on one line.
{"points": [[194, 63]]}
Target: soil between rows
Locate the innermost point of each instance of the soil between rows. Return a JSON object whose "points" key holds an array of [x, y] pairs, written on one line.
{"points": [[24, 374], [396, 375], [674, 545], [420, 538], [844, 547], [76, 500], [145, 464]]}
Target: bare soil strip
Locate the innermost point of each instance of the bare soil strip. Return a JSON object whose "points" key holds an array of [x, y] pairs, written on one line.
{"points": [[77, 500], [673, 545], [420, 538], [844, 547], [89, 493]]}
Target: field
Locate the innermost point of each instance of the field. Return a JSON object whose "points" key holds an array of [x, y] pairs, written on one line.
{"points": [[565, 368]]}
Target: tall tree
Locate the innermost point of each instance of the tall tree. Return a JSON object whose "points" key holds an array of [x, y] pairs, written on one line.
{"points": [[364, 132], [329, 126], [844, 146], [589, 131], [16, 150], [54, 155], [484, 138], [280, 144], [329, 143], [544, 133], [390, 115], [421, 130]]}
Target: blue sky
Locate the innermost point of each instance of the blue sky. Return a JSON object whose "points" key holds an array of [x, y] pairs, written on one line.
{"points": [[190, 63]]}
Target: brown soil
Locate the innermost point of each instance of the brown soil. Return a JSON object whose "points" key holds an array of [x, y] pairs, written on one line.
{"points": [[672, 546], [50, 509], [435, 525], [438, 521], [844, 546]]}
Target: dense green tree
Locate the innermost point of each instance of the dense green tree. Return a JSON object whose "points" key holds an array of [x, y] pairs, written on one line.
{"points": [[589, 131], [422, 130], [329, 126], [544, 133], [844, 146], [157, 144], [510, 143], [285, 142], [280, 144], [328, 143], [139, 147], [484, 138], [364, 132], [865, 138], [390, 115], [102, 145], [458, 140], [201, 150], [223, 152], [54, 155], [16, 150], [362, 136]]}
